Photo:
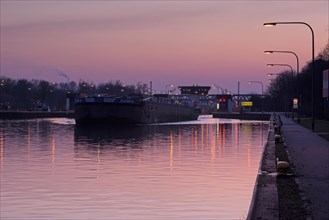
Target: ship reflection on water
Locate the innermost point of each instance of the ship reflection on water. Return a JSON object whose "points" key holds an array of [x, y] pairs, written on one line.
{"points": [[94, 134], [203, 169]]}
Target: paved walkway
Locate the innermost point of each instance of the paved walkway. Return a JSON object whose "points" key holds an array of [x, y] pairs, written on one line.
{"points": [[310, 155]]}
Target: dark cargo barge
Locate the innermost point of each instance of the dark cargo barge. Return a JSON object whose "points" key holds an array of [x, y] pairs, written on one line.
{"points": [[132, 110]]}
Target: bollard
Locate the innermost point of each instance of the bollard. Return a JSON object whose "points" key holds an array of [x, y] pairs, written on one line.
{"points": [[282, 166], [277, 138]]}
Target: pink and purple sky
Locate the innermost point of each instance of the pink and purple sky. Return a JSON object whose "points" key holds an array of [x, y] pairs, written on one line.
{"points": [[166, 42]]}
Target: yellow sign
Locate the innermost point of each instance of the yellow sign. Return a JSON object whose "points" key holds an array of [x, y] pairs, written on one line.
{"points": [[246, 103]]}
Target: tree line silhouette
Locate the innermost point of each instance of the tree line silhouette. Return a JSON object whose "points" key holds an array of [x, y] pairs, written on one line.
{"points": [[23, 94], [287, 85]]}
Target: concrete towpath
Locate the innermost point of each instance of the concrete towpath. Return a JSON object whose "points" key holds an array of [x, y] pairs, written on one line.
{"points": [[310, 156]]}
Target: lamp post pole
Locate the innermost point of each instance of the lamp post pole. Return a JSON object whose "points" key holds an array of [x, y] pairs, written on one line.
{"points": [[271, 24], [167, 90], [292, 75], [273, 74], [218, 87], [285, 96], [262, 93], [284, 51], [276, 64], [297, 74]]}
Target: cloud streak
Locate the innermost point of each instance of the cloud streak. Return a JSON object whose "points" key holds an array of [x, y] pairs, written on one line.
{"points": [[148, 19]]}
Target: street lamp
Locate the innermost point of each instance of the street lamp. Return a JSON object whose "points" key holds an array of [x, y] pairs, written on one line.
{"points": [[271, 24], [218, 87], [273, 74], [152, 91], [168, 91], [284, 51], [215, 87], [297, 73], [275, 64], [285, 98], [262, 92], [2, 104], [292, 74]]}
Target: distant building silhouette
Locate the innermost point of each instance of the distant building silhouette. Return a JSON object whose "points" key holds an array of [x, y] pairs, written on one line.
{"points": [[194, 90]]}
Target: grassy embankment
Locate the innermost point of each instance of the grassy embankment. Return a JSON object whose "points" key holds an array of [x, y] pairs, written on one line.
{"points": [[321, 127]]}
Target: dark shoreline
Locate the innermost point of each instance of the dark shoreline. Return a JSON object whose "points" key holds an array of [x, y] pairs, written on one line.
{"points": [[11, 115], [244, 116]]}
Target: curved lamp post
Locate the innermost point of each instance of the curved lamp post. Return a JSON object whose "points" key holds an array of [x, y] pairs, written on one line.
{"points": [[167, 90], [218, 87], [287, 65], [273, 74], [284, 51], [272, 24], [297, 73], [262, 92], [285, 101], [275, 64]]}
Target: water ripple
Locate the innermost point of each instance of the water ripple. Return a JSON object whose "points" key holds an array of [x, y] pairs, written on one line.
{"points": [[53, 169]]}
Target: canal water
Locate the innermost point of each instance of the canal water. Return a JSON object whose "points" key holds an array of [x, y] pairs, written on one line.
{"points": [[204, 169]]}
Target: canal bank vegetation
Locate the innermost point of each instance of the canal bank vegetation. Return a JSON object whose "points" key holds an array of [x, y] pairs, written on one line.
{"points": [[285, 85], [321, 128]]}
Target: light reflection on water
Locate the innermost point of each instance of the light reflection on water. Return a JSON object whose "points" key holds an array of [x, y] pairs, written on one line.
{"points": [[52, 169]]}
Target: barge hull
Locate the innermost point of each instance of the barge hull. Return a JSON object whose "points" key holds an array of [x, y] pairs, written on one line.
{"points": [[142, 113]]}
